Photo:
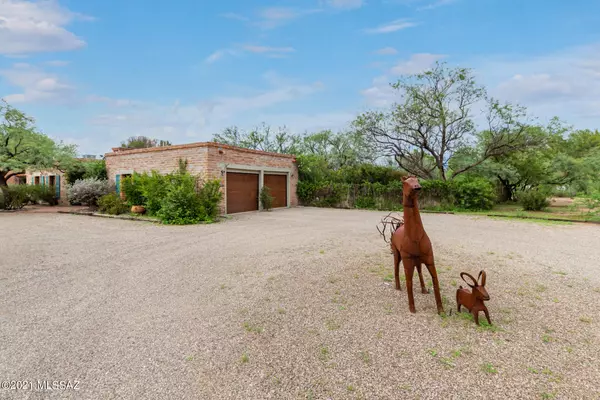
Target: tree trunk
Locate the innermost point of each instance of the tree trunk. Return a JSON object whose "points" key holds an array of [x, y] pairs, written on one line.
{"points": [[508, 190], [3, 180]]}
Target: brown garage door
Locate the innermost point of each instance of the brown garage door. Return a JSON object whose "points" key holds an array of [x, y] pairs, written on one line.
{"points": [[242, 192], [278, 186]]}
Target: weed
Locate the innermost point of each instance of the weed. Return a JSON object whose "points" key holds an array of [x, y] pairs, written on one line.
{"points": [[364, 355], [322, 251], [406, 387], [569, 349], [253, 328], [447, 362], [271, 278], [310, 395], [597, 290], [533, 370], [332, 325], [189, 358], [324, 353], [489, 368], [388, 308], [548, 396], [540, 288], [342, 308], [337, 292], [388, 278], [585, 320], [456, 353], [355, 276], [333, 279], [276, 380], [222, 286], [433, 352], [245, 358], [379, 335], [453, 283], [350, 388], [281, 311], [547, 371], [560, 273], [555, 300], [547, 338]]}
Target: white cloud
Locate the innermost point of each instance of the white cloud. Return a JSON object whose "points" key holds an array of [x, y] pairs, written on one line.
{"points": [[565, 83], [181, 123], [437, 4], [31, 27], [390, 27], [219, 54], [273, 17], [381, 94], [36, 85], [386, 51], [235, 16], [345, 4]]}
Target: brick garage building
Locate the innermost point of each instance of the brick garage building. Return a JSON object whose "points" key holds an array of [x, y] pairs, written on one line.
{"points": [[242, 172]]}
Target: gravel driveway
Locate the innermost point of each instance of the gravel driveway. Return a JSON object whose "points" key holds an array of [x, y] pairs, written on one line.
{"points": [[293, 304]]}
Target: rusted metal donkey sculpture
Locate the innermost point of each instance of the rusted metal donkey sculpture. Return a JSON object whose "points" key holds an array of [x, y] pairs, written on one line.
{"points": [[411, 245], [474, 299]]}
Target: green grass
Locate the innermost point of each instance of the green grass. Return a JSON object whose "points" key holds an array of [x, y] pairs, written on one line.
{"points": [[253, 328], [366, 357], [324, 354], [332, 325], [489, 368], [350, 388], [245, 358], [585, 320]]}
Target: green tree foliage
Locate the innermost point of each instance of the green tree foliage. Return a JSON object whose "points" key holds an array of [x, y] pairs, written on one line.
{"points": [[435, 120], [23, 148], [80, 169], [260, 138], [142, 142], [266, 200]]}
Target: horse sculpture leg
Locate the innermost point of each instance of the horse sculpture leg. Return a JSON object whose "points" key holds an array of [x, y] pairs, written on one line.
{"points": [[409, 269], [436, 288], [423, 288], [397, 259]]}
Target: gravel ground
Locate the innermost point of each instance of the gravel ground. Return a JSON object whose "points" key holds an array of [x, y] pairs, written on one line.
{"points": [[293, 304]]}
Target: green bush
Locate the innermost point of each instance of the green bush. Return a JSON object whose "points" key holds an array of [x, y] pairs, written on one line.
{"points": [[210, 196], [533, 199], [132, 187], [365, 202], [14, 197], [44, 193], [154, 190], [112, 204], [474, 194], [266, 200], [181, 205], [95, 169]]}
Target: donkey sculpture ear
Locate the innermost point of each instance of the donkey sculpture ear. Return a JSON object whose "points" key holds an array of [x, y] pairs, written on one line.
{"points": [[482, 277], [473, 280], [404, 178]]}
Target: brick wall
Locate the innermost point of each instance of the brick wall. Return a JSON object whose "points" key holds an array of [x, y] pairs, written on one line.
{"points": [[204, 159]]}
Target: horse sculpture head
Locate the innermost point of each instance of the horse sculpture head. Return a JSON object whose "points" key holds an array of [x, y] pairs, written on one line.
{"points": [[410, 186]]}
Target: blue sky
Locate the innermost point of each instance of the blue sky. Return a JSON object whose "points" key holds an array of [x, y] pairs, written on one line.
{"points": [[95, 72]]}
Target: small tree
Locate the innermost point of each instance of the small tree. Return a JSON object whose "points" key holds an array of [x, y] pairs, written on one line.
{"points": [[266, 200], [434, 121]]}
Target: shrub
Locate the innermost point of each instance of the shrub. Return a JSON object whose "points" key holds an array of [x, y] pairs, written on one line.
{"points": [[47, 194], [112, 204], [75, 172], [181, 204], [154, 190], [132, 187], [14, 197], [210, 197], [474, 194], [88, 191], [533, 199], [266, 200]]}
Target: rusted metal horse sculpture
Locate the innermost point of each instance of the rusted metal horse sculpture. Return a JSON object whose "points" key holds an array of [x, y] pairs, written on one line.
{"points": [[411, 245]]}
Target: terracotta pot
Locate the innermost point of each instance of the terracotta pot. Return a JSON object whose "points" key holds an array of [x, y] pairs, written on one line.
{"points": [[138, 209]]}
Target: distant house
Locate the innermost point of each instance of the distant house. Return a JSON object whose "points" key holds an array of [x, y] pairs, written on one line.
{"points": [[50, 177], [243, 172]]}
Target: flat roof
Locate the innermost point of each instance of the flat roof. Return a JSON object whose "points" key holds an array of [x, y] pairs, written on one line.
{"points": [[118, 151]]}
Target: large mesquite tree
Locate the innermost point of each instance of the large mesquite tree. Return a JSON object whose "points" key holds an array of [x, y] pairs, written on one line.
{"points": [[434, 120], [22, 147]]}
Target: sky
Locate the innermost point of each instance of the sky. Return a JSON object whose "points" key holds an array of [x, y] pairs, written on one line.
{"points": [[93, 73]]}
